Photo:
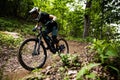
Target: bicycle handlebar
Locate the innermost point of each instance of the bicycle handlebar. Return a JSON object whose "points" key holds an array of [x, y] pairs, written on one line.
{"points": [[39, 28]]}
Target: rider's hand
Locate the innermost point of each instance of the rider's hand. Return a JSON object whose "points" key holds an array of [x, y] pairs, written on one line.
{"points": [[34, 29], [39, 27]]}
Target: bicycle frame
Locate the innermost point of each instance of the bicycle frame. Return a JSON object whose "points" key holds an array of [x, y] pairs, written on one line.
{"points": [[39, 37], [39, 50]]}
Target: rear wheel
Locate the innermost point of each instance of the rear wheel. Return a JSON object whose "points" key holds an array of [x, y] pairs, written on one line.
{"points": [[26, 57], [63, 46]]}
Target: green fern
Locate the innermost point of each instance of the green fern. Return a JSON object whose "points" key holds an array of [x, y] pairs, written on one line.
{"points": [[85, 71]]}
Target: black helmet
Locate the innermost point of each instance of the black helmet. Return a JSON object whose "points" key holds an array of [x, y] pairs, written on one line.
{"points": [[33, 10]]}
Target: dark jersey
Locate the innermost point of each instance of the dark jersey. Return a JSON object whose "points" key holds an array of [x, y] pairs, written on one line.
{"points": [[44, 18]]}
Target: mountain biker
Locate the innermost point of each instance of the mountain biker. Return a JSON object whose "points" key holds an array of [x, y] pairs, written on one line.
{"points": [[47, 20]]}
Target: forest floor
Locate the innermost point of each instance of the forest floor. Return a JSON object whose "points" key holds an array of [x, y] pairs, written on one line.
{"points": [[54, 68], [14, 71]]}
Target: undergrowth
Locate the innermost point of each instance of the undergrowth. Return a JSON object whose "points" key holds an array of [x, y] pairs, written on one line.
{"points": [[13, 25], [108, 54], [10, 40]]}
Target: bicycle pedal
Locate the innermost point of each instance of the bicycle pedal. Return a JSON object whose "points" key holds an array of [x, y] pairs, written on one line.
{"points": [[62, 47]]}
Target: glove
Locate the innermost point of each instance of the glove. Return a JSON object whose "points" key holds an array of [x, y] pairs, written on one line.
{"points": [[34, 29]]}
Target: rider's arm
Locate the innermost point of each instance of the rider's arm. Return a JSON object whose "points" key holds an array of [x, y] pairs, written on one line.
{"points": [[38, 25], [52, 17]]}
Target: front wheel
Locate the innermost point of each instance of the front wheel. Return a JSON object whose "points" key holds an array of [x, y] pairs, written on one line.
{"points": [[63, 46], [26, 57]]}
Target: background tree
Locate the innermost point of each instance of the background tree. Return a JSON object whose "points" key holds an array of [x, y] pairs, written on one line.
{"points": [[75, 19], [87, 18], [102, 14]]}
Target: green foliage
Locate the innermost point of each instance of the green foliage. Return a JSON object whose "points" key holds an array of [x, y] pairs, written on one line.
{"points": [[65, 59], [91, 76], [105, 12], [111, 9], [107, 53], [85, 70], [105, 50], [63, 73], [24, 7], [75, 23], [74, 39], [69, 13], [70, 60], [70, 21], [66, 78], [12, 24], [9, 40]]}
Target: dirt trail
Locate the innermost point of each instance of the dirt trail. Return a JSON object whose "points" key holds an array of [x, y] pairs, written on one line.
{"points": [[15, 71]]}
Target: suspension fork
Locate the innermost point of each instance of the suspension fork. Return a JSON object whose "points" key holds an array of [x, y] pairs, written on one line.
{"points": [[37, 45], [39, 42], [34, 51]]}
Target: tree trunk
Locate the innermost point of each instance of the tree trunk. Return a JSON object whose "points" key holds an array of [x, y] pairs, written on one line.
{"points": [[87, 19]]}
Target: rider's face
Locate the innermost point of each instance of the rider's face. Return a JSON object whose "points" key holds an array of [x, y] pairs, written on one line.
{"points": [[34, 15]]}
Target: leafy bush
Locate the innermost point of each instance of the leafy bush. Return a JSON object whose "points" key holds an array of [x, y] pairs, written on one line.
{"points": [[70, 60], [85, 71], [106, 50], [9, 40], [108, 53], [15, 25]]}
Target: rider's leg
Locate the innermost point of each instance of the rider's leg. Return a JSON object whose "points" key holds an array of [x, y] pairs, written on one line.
{"points": [[54, 34], [45, 35], [46, 38], [55, 40]]}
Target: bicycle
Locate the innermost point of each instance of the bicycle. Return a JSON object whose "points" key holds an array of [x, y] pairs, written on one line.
{"points": [[33, 52]]}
